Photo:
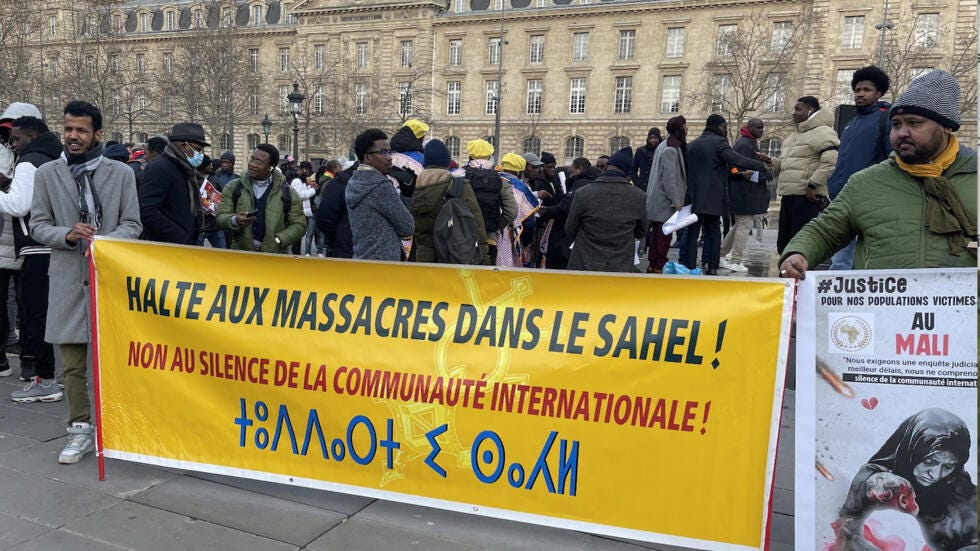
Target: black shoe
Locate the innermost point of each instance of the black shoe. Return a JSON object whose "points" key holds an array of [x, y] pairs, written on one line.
{"points": [[706, 269], [28, 368]]}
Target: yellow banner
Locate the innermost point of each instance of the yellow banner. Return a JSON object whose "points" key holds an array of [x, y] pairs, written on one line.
{"points": [[639, 406]]}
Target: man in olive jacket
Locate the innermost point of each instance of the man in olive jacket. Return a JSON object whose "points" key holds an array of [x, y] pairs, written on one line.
{"points": [[918, 209], [257, 219]]}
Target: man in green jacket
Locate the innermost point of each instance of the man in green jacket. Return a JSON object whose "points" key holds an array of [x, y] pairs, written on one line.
{"points": [[917, 209], [253, 207]]}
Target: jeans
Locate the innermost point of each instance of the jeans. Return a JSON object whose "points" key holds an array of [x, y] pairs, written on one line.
{"points": [[709, 227], [736, 238], [312, 233], [682, 256], [844, 258], [215, 238], [34, 296]]}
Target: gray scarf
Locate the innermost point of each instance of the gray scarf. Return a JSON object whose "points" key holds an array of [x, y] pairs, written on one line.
{"points": [[82, 167]]}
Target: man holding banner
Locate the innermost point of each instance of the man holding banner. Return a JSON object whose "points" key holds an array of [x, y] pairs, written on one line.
{"points": [[76, 197], [918, 209]]}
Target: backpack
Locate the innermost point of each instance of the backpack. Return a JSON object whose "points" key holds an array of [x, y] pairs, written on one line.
{"points": [[287, 199], [456, 233], [486, 186]]}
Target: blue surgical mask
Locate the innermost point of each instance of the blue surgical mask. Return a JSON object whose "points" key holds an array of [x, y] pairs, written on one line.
{"points": [[196, 160]]}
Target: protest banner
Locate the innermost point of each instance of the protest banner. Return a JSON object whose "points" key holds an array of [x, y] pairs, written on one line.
{"points": [[886, 437], [634, 406]]}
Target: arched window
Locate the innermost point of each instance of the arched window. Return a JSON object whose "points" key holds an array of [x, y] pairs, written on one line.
{"points": [[224, 142], [531, 144], [574, 148], [452, 143], [618, 142], [285, 145], [253, 142], [141, 137]]}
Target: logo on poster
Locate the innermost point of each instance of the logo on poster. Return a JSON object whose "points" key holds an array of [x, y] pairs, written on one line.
{"points": [[851, 333]]}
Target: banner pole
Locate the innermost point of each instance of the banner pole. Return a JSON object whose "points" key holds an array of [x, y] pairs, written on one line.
{"points": [[94, 339]]}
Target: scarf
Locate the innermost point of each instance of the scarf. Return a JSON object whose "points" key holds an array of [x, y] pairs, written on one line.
{"points": [[678, 139], [82, 167], [945, 213], [745, 132], [174, 152]]}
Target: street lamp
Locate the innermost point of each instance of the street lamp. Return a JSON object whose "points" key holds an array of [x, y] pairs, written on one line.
{"points": [[500, 86], [296, 99], [266, 127], [884, 26]]}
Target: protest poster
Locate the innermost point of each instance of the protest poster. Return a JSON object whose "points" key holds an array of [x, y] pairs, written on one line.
{"points": [[635, 406], [886, 439]]}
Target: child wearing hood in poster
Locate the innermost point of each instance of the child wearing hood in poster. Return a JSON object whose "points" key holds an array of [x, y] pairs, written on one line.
{"points": [[919, 470]]}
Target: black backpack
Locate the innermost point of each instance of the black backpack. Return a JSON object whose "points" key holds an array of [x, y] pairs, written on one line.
{"points": [[486, 186], [456, 233]]}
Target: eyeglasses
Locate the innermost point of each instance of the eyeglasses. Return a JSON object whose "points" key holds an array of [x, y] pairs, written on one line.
{"points": [[197, 148], [385, 152]]}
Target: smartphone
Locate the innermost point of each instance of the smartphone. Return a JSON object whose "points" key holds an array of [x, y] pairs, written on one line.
{"points": [[253, 214]]}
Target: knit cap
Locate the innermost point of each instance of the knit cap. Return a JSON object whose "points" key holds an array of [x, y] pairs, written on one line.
{"points": [[654, 132], [935, 95], [513, 162], [436, 154], [418, 127], [622, 159], [479, 149], [715, 120]]}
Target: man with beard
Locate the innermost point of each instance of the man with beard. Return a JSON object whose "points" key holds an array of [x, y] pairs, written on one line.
{"points": [[76, 197], [918, 209], [170, 198], [643, 160]]}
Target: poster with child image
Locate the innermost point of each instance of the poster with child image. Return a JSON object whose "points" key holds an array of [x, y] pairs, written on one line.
{"points": [[886, 440]]}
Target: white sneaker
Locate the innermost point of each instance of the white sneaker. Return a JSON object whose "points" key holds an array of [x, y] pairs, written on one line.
{"points": [[81, 440], [725, 262], [737, 267]]}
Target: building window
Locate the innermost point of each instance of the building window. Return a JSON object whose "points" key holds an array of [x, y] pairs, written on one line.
{"points": [[145, 22], [534, 96], [168, 103], [494, 51], [670, 95], [775, 94], [141, 102], [114, 64], [283, 60], [624, 95], [576, 96], [459, 6], [360, 98], [171, 20], [782, 33], [726, 37], [531, 144], [407, 53], [627, 40], [453, 97], [361, 50], [283, 102], [675, 41], [253, 141], [52, 25], [224, 142], [771, 146], [253, 100], [926, 30], [574, 148], [140, 63], [455, 52], [199, 18], [852, 36], [257, 14], [721, 92], [618, 142], [452, 144], [318, 57], [536, 54], [318, 101], [226, 17], [168, 62], [90, 66], [842, 86], [542, 3], [253, 59], [498, 5], [141, 137], [492, 97], [580, 47], [116, 103], [404, 98], [285, 143]]}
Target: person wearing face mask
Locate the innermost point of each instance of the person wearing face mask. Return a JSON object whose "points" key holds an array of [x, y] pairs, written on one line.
{"points": [[170, 202]]}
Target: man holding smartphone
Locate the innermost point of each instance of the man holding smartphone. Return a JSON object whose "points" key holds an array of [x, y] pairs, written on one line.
{"points": [[263, 213]]}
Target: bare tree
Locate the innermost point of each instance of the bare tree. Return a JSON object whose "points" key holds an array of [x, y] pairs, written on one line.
{"points": [[20, 39], [757, 62]]}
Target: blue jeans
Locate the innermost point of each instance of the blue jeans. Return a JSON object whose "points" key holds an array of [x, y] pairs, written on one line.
{"points": [[844, 258], [313, 233], [215, 238]]}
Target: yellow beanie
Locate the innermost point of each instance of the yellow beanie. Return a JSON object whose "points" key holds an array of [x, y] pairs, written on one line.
{"points": [[513, 162], [418, 127], [479, 149]]}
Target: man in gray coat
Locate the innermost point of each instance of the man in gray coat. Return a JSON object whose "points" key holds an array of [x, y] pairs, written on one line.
{"points": [[606, 218], [666, 190], [76, 197]]}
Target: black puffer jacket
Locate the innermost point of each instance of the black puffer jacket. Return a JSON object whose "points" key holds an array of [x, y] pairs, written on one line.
{"points": [[45, 148]]}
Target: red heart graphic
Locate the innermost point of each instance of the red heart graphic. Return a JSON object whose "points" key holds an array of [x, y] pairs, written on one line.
{"points": [[869, 404]]}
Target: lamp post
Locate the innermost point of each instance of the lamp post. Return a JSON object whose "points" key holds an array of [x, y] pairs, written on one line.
{"points": [[266, 127], [884, 27], [296, 99], [500, 86]]}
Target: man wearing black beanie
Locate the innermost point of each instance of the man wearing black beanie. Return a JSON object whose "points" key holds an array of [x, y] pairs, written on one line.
{"points": [[640, 171]]}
